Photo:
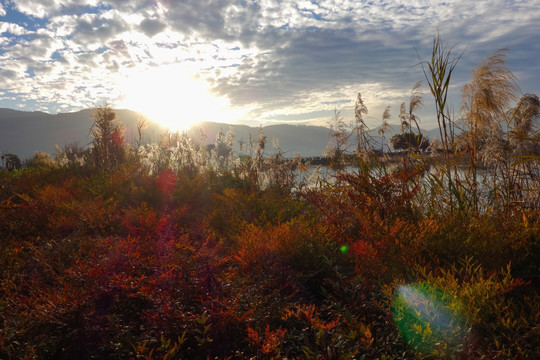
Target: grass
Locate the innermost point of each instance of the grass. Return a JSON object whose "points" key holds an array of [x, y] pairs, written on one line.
{"points": [[174, 251]]}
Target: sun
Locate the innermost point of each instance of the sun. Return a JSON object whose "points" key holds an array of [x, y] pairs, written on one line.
{"points": [[174, 97]]}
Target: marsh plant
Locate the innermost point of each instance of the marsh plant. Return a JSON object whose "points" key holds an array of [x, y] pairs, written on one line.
{"points": [[180, 154], [190, 249]]}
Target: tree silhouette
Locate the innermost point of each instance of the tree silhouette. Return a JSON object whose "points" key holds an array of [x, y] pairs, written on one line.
{"points": [[409, 140], [11, 161], [107, 147]]}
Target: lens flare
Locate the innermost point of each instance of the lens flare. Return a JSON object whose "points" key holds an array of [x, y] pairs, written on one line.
{"points": [[166, 182], [429, 319], [343, 249]]}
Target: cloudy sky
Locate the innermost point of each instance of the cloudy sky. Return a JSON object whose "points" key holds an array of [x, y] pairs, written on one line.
{"points": [[249, 61]]}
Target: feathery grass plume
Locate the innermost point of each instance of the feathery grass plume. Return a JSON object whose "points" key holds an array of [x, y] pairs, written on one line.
{"points": [[524, 143], [360, 127], [385, 126], [183, 155], [338, 144], [486, 101], [70, 155], [154, 158], [222, 154], [259, 151], [280, 173], [416, 102], [253, 168], [407, 140], [219, 152], [403, 118], [230, 138], [490, 92], [202, 152], [525, 118], [487, 97], [41, 159]]}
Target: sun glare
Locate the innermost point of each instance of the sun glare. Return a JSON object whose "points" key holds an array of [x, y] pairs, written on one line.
{"points": [[173, 97]]}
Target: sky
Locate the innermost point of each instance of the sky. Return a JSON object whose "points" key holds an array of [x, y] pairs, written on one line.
{"points": [[248, 61]]}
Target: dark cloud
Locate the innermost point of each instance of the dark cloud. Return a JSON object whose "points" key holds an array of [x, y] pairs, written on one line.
{"points": [[215, 19], [307, 61], [152, 27], [98, 29], [129, 5], [8, 75]]}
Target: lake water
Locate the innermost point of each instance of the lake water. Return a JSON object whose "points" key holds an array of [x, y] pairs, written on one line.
{"points": [[487, 188]]}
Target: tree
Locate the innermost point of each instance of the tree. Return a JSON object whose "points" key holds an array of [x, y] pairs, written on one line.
{"points": [[107, 148], [408, 141], [11, 161], [141, 125]]}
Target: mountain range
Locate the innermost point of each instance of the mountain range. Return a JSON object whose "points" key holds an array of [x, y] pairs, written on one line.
{"points": [[23, 133]]}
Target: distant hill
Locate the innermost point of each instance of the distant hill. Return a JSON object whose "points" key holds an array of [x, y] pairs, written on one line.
{"points": [[24, 133], [292, 139]]}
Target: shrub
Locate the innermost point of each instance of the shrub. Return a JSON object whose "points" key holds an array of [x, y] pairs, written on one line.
{"points": [[466, 312]]}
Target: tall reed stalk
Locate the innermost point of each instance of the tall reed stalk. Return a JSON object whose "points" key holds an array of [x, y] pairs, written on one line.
{"points": [[438, 72]]}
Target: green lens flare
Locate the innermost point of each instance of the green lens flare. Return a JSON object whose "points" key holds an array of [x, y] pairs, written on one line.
{"points": [[429, 320], [343, 249]]}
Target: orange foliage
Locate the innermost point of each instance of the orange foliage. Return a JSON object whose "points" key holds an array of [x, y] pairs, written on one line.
{"points": [[108, 263]]}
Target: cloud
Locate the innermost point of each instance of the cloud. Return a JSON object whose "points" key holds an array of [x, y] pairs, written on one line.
{"points": [[120, 48], [11, 28], [152, 27], [46, 8], [307, 62], [95, 30], [35, 48], [278, 58], [7, 76]]}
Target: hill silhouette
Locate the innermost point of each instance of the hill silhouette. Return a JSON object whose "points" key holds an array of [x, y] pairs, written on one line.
{"points": [[23, 133]]}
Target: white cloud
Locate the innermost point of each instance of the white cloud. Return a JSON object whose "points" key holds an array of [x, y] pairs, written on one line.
{"points": [[276, 57], [14, 29]]}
